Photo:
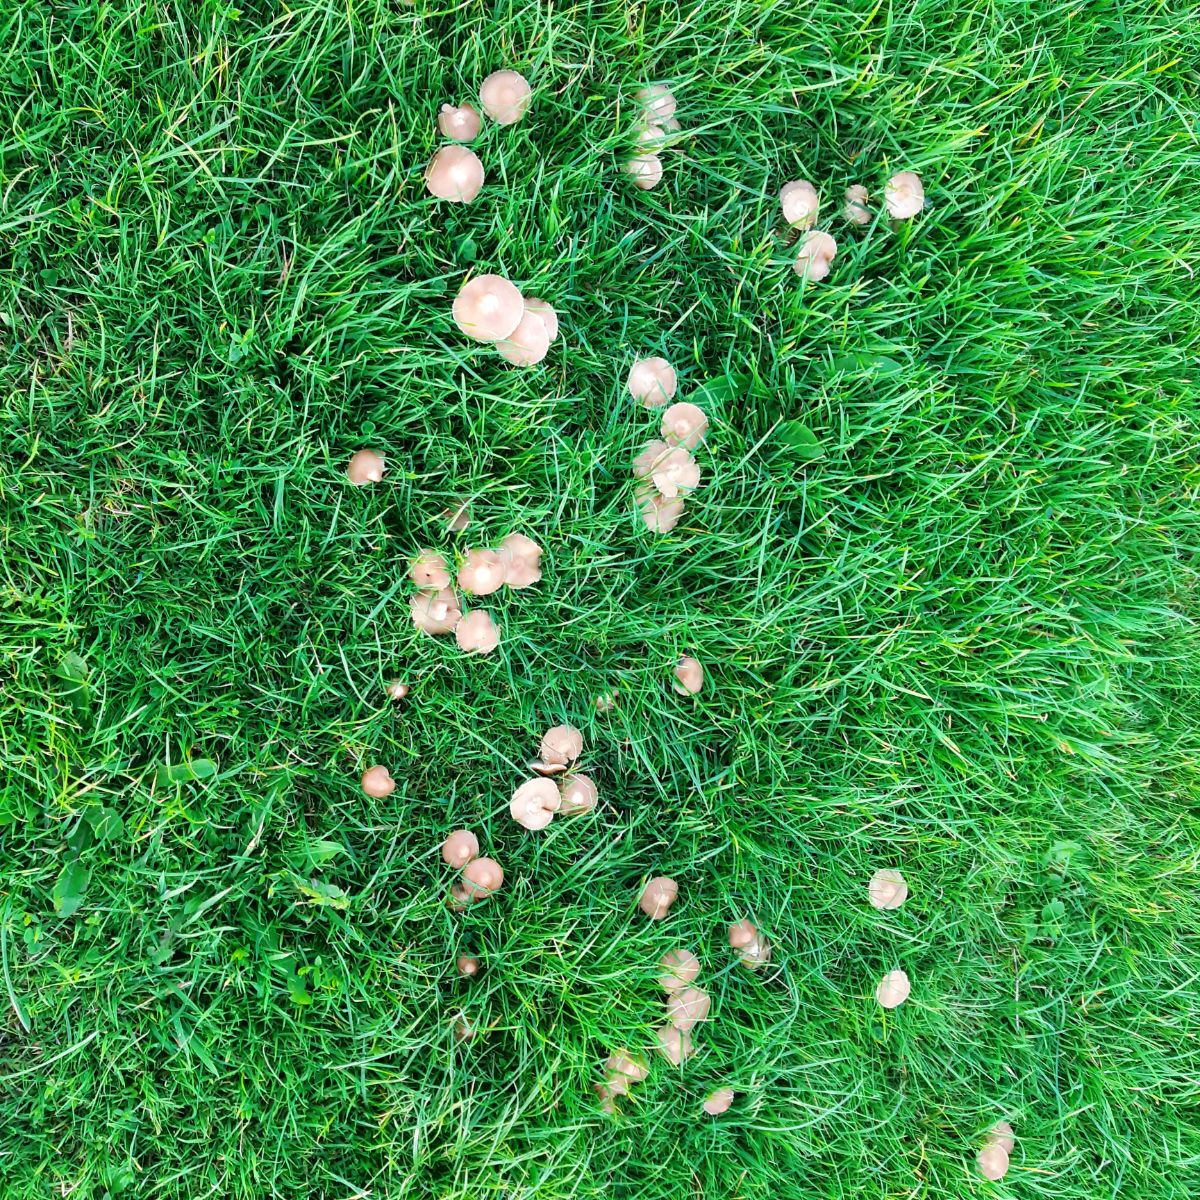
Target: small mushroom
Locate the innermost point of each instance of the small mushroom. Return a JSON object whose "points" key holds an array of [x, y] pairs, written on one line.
{"points": [[365, 467], [549, 318], [429, 570], [377, 782], [887, 889], [993, 1161], [856, 210], [435, 612], [464, 1031], [534, 803], [652, 382], [454, 173], [482, 877], [605, 702], [488, 308], [719, 1101], [505, 96], [460, 124], [752, 948], [528, 343], [689, 676], [815, 256], [477, 633], [658, 896], [684, 424], [645, 170], [482, 573], [1002, 1135], [644, 460], [561, 745], [904, 195], [624, 1069], [657, 100], [659, 514], [677, 471], [679, 969], [800, 203], [893, 989], [522, 560], [606, 1098], [578, 794], [675, 1045], [460, 848], [467, 966], [397, 690], [456, 518]]}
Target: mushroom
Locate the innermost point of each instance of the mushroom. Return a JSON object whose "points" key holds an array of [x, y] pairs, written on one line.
{"points": [[752, 948], [606, 1098], [481, 877], [605, 702], [488, 308], [505, 96], [856, 210], [429, 570], [397, 690], [684, 424], [477, 633], [993, 1161], [561, 745], [534, 803], [460, 848], [677, 471], [365, 467], [464, 1031], [623, 1069], [460, 896], [815, 256], [454, 173], [689, 676], [539, 308], [674, 1045], [482, 573], [528, 343], [435, 612], [658, 896], [719, 1101], [460, 124], [457, 518], [646, 170], [893, 989], [1001, 1134], [657, 100], [652, 381], [904, 195], [887, 889], [800, 203], [659, 514], [679, 968], [578, 794], [467, 966], [650, 453], [522, 559], [377, 782]]}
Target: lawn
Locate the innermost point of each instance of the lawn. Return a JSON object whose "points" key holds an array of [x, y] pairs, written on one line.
{"points": [[941, 571]]}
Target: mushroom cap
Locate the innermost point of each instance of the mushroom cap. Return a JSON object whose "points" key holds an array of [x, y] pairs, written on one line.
{"points": [[467, 965], [800, 203], [377, 782], [815, 256], [505, 96], [481, 877], [893, 989], [719, 1101], [675, 1045], [856, 210], [679, 968], [454, 173], [677, 471], [992, 1161], [650, 453], [606, 1098], [904, 195], [534, 803], [429, 570], [464, 1031], [658, 101], [528, 343], [539, 308], [482, 573], [461, 124], [578, 794], [646, 170], [488, 308], [755, 954], [688, 1007], [561, 744], [521, 573], [684, 424], [1002, 1135], [887, 889], [689, 676], [658, 514], [460, 896], [397, 690], [742, 934], [460, 848], [477, 633], [621, 1062], [522, 558], [365, 466], [652, 381], [457, 518], [605, 702], [435, 612], [658, 896]]}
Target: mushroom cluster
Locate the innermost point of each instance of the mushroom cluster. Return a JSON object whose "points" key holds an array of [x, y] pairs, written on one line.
{"points": [[992, 1158], [664, 469], [557, 787], [656, 126], [621, 1071], [753, 950], [687, 1005], [480, 876], [489, 308]]}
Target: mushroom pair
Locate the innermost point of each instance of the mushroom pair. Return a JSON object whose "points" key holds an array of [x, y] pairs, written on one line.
{"points": [[621, 1071], [536, 801], [480, 876], [801, 203], [903, 196], [489, 308], [753, 950], [517, 562], [992, 1159], [656, 125]]}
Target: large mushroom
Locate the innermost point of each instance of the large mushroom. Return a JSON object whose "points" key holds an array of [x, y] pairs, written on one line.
{"points": [[904, 195], [534, 803], [545, 313], [454, 173], [477, 633], [657, 897], [482, 573], [652, 381], [505, 96], [718, 1101], [488, 308]]}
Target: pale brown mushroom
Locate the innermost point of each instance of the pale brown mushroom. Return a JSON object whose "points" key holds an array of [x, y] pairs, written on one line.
{"points": [[644, 460], [477, 633], [659, 514], [365, 467], [752, 948], [658, 896], [652, 381], [482, 573], [1002, 1135], [578, 794], [679, 969], [505, 96], [689, 676], [527, 344], [464, 1031], [657, 100], [467, 966], [687, 1008], [719, 1101], [482, 877], [645, 170], [488, 308], [607, 1104], [624, 1069], [429, 570], [456, 518], [814, 259], [674, 1045], [460, 896], [800, 203], [534, 803], [549, 318], [856, 210], [904, 195], [397, 690], [522, 560], [887, 889], [435, 612], [460, 848], [992, 1161], [677, 471], [684, 424], [454, 173], [461, 124], [893, 989], [561, 745], [605, 702], [377, 782]]}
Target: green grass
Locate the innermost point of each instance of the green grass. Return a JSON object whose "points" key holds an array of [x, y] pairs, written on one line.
{"points": [[963, 641]]}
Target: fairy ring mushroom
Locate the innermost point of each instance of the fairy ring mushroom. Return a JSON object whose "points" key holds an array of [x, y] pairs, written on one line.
{"points": [[377, 782], [753, 950], [679, 969], [893, 989], [482, 573], [676, 471], [429, 570], [887, 889], [992, 1161], [488, 308], [675, 1045], [365, 467], [435, 612], [477, 633], [397, 689], [856, 210], [561, 745], [534, 803], [460, 848], [545, 313], [522, 559], [689, 676], [454, 173], [505, 96], [623, 1069], [652, 381], [467, 966], [718, 1101], [684, 424], [657, 897], [528, 343], [657, 100], [579, 794], [647, 456], [456, 518], [904, 195], [1002, 1135], [482, 877], [658, 514], [800, 203], [461, 123], [645, 170], [814, 259]]}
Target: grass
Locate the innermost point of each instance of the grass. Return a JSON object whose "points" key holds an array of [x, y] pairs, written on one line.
{"points": [[963, 640]]}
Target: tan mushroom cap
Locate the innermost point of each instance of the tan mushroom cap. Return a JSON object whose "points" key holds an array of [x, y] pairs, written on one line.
{"points": [[488, 308], [460, 848], [659, 514], [800, 203], [429, 570], [549, 318], [522, 560], [579, 794], [644, 460], [652, 381], [505, 96], [904, 195], [621, 1062], [561, 744], [482, 573], [377, 782], [752, 948], [606, 1098], [454, 173], [742, 934], [1002, 1135], [460, 896], [893, 989], [481, 877], [365, 466], [992, 1161], [679, 968], [527, 344], [464, 1031], [534, 803], [658, 896], [467, 966], [856, 210], [814, 259], [397, 690], [477, 633], [675, 1045], [658, 101], [688, 1007], [435, 612], [689, 676], [645, 170], [457, 518], [887, 889], [719, 1101], [461, 123], [684, 424], [677, 471]]}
